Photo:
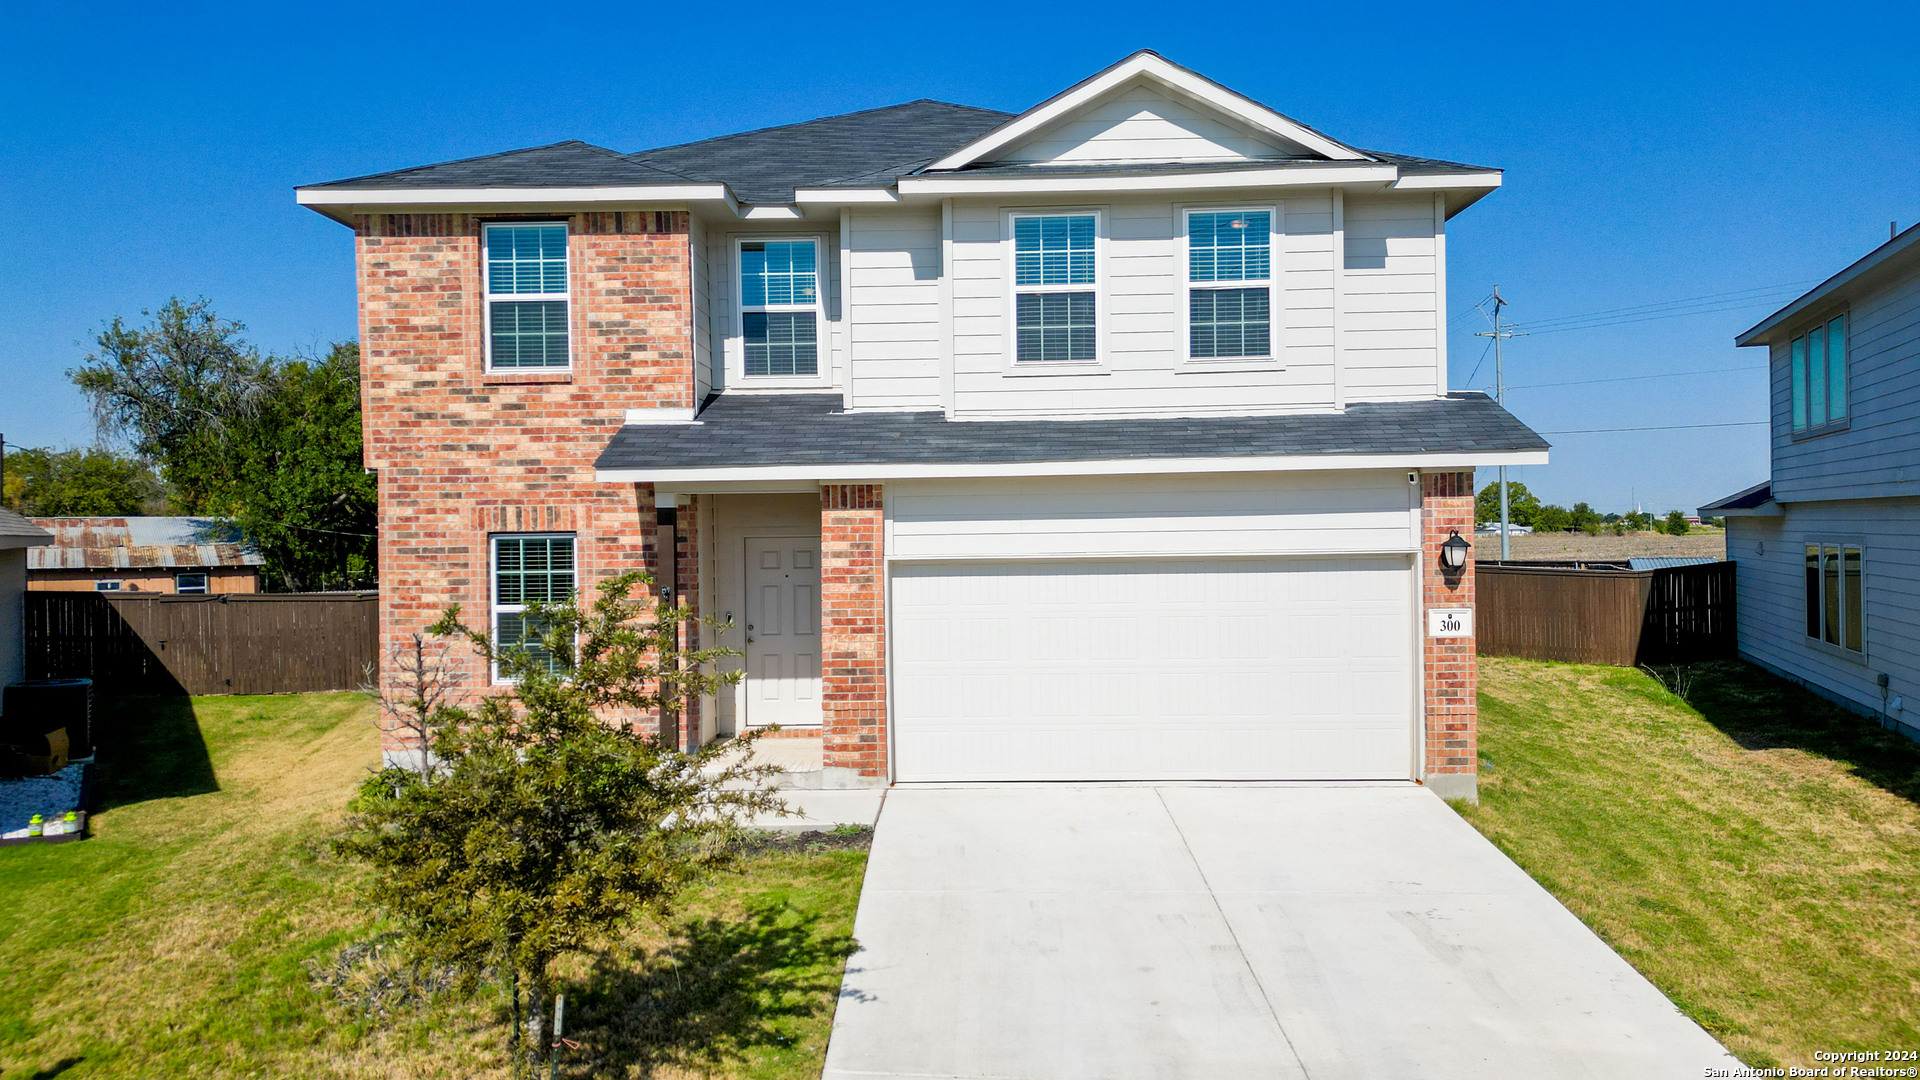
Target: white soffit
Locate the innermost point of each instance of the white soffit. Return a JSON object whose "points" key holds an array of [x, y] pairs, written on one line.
{"points": [[838, 473], [1150, 66]]}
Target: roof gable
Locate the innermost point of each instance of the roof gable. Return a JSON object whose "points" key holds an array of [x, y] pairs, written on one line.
{"points": [[1147, 109]]}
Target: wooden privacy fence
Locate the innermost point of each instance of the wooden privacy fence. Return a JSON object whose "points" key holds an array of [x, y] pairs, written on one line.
{"points": [[1593, 615], [263, 643]]}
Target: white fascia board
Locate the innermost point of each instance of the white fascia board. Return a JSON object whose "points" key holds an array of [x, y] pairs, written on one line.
{"points": [[512, 196], [1001, 184], [844, 196], [772, 213], [659, 416], [880, 471], [1213, 94], [1473, 181], [1765, 509]]}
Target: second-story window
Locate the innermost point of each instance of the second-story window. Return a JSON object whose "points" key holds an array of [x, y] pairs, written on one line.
{"points": [[780, 307], [1229, 291], [526, 287], [1054, 272], [1819, 359]]}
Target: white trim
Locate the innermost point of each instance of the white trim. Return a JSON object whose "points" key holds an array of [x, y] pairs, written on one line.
{"points": [[772, 213], [497, 197], [1279, 176], [488, 299], [1276, 251], [822, 376], [844, 196], [1013, 365], [946, 308], [1337, 316], [879, 472], [843, 313], [1440, 308], [659, 416], [1171, 75], [1453, 181]]}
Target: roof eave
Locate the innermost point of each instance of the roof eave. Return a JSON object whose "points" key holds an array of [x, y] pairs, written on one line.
{"points": [[342, 203], [1835, 287]]}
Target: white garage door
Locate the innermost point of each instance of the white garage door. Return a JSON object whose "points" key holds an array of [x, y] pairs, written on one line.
{"points": [[1165, 669]]}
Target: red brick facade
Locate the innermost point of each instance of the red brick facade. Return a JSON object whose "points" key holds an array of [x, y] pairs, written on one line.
{"points": [[1449, 666], [462, 453], [853, 642]]}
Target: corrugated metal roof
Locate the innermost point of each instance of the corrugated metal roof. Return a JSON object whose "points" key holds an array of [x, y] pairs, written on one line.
{"points": [[1663, 562], [127, 543]]}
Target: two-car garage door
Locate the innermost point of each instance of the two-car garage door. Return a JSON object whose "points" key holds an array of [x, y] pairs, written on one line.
{"points": [[1188, 668]]}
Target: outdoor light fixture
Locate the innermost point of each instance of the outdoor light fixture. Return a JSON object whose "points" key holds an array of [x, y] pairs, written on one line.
{"points": [[1453, 553]]}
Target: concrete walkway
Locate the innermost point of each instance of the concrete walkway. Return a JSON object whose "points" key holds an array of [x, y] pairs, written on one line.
{"points": [[1247, 930]]}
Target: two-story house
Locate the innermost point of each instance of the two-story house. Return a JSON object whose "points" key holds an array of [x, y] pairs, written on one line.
{"points": [[1109, 440], [1829, 546]]}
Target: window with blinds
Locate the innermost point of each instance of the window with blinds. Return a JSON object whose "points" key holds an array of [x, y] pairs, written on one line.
{"points": [[1229, 290], [780, 308], [529, 570], [526, 296], [1055, 276]]}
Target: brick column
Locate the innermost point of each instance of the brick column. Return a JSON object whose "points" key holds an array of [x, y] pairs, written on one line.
{"points": [[688, 573], [1449, 670], [853, 659]]}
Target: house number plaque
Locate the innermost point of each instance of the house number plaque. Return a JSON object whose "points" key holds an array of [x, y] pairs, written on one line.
{"points": [[1449, 622]]}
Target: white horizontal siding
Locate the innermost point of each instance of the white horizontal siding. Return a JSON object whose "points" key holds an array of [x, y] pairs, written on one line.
{"points": [[1772, 595], [1142, 124], [1390, 315], [1143, 282], [893, 306], [723, 291], [1292, 514]]}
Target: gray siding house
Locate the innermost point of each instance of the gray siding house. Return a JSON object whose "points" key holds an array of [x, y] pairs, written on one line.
{"points": [[1829, 546]]}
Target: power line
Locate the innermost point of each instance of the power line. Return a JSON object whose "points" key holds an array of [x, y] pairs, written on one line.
{"points": [[1667, 427], [1630, 378], [1639, 309]]}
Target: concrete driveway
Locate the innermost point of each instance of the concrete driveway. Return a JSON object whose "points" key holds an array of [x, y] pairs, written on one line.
{"points": [[1235, 930]]}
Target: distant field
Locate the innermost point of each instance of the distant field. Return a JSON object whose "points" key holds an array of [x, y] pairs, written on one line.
{"points": [[1703, 543]]}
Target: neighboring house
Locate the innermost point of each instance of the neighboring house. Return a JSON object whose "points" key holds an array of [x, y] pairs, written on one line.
{"points": [[1110, 440], [1829, 546], [170, 555], [17, 537]]}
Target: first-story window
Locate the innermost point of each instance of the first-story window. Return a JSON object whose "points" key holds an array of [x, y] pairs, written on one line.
{"points": [[1055, 277], [527, 570], [780, 307], [1836, 595], [1229, 284], [190, 584], [526, 295]]}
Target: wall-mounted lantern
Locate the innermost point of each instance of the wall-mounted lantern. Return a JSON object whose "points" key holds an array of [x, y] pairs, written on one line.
{"points": [[1453, 553]]}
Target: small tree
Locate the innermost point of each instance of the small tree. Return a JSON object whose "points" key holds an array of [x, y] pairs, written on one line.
{"points": [[1676, 523], [542, 829]]}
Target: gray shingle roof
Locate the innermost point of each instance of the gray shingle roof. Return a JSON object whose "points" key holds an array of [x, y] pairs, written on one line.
{"points": [[1758, 495], [874, 146], [16, 528], [738, 430], [563, 164]]}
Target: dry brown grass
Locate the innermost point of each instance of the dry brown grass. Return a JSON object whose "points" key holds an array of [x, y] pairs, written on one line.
{"points": [[1753, 850], [1706, 544]]}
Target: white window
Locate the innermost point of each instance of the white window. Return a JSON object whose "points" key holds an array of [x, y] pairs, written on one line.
{"points": [[528, 569], [1056, 288], [1836, 595], [526, 292], [106, 586], [190, 584], [1819, 359], [1230, 284], [780, 310]]}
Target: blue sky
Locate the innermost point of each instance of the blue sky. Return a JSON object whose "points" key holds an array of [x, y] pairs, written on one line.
{"points": [[1653, 154]]}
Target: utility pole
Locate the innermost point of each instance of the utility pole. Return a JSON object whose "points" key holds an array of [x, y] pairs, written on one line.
{"points": [[1498, 335]]}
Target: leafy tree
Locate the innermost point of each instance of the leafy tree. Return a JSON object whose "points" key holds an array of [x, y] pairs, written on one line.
{"points": [[1639, 521], [1522, 504], [271, 443], [1582, 515], [79, 483], [542, 829], [1551, 518], [1676, 523]]}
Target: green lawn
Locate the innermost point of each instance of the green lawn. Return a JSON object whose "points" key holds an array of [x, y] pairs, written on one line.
{"points": [[1752, 849], [185, 937]]}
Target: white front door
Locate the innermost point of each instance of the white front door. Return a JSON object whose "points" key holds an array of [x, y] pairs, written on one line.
{"points": [[783, 631], [1163, 669]]}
